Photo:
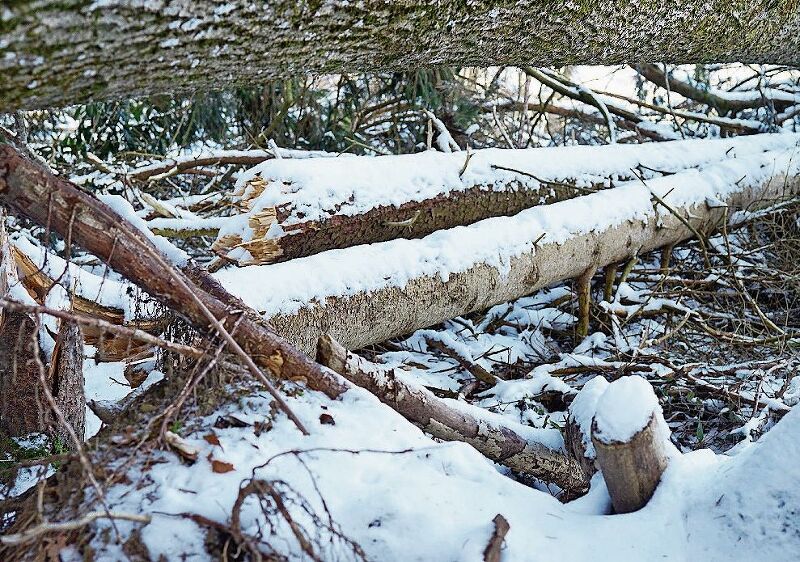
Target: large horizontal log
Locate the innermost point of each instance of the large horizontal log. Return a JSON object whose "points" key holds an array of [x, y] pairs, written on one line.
{"points": [[368, 294], [300, 208], [57, 52]]}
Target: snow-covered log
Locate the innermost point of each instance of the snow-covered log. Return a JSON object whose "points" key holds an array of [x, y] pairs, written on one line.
{"points": [[513, 445], [60, 52], [631, 440], [297, 208], [368, 294]]}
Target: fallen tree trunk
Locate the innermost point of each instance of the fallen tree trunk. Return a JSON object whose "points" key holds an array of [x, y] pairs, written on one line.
{"points": [[72, 51], [498, 439], [301, 208], [34, 193], [369, 294]]}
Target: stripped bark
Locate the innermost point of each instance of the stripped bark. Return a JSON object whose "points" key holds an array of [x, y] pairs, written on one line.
{"points": [[34, 193], [489, 433], [72, 51], [413, 219]]}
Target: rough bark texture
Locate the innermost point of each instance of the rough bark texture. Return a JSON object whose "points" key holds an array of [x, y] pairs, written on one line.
{"points": [[497, 442], [66, 371], [633, 469], [34, 193], [414, 219], [427, 300], [71, 51], [22, 408], [23, 405]]}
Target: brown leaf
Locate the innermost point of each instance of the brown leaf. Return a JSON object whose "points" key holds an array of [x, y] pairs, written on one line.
{"points": [[212, 439], [327, 419], [220, 467]]}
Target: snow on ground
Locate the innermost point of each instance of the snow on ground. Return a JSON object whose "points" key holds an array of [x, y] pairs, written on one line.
{"points": [[404, 497]]}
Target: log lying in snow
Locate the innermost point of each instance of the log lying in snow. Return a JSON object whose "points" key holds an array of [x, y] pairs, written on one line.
{"points": [[498, 439], [300, 208], [368, 294]]}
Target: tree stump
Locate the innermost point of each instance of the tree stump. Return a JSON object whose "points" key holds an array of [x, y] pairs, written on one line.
{"points": [[631, 441]]}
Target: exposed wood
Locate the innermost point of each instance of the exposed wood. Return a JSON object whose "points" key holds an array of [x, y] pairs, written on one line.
{"points": [[633, 469], [489, 434], [32, 192], [413, 219], [72, 51]]}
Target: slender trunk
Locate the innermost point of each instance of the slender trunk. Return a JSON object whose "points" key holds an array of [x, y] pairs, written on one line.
{"points": [[489, 433]]}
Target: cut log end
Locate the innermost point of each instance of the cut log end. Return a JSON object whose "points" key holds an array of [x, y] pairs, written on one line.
{"points": [[633, 469]]}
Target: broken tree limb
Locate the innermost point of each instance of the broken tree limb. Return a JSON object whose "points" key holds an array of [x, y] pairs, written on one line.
{"points": [[724, 102], [294, 209], [495, 437], [34, 193], [369, 294]]}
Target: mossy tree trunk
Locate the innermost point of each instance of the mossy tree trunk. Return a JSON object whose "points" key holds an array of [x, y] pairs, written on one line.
{"points": [[55, 52]]}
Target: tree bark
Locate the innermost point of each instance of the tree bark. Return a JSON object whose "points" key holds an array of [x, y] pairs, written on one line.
{"points": [[632, 469], [66, 372], [490, 434], [73, 51], [413, 219]]}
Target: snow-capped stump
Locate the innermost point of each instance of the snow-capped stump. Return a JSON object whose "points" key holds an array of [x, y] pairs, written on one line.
{"points": [[631, 441], [578, 430]]}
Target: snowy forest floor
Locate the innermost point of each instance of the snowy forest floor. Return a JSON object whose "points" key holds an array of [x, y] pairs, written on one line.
{"points": [[718, 343]]}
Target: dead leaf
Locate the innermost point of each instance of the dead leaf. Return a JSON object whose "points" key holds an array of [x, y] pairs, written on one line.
{"points": [[218, 466], [327, 419], [212, 439]]}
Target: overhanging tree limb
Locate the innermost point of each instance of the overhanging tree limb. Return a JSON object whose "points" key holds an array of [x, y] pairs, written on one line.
{"points": [[72, 51]]}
